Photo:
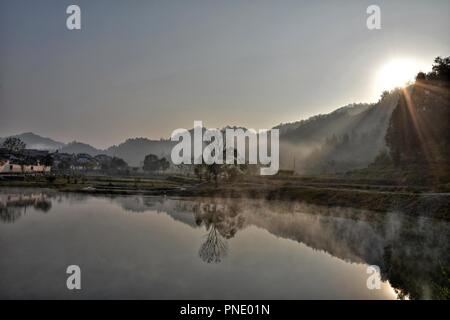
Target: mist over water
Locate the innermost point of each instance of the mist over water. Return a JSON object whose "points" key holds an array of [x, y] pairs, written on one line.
{"points": [[207, 248]]}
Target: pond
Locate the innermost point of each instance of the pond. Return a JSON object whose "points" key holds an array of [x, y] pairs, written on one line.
{"points": [[142, 247]]}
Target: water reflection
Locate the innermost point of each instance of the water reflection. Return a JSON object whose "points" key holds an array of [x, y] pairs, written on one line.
{"points": [[14, 205], [412, 253]]}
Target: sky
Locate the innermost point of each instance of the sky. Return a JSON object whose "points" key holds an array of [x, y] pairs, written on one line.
{"points": [[145, 68]]}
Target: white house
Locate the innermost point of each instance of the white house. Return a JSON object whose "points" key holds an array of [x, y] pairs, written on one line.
{"points": [[8, 167]]}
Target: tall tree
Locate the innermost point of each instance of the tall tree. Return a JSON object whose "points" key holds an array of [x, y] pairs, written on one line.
{"points": [[118, 164], [152, 163], [14, 144]]}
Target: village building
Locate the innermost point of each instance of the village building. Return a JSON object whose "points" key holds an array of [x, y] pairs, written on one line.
{"points": [[25, 162], [7, 166]]}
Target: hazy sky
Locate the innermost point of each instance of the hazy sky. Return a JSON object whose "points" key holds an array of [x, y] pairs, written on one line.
{"points": [[145, 68]]}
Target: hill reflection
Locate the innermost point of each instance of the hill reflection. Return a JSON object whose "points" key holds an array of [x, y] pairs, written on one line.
{"points": [[412, 253]]}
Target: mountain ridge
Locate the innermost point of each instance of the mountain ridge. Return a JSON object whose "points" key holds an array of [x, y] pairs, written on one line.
{"points": [[298, 139]]}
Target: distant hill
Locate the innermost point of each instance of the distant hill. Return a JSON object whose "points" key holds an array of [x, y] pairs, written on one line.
{"points": [[133, 151], [79, 147], [347, 138], [317, 128], [34, 141]]}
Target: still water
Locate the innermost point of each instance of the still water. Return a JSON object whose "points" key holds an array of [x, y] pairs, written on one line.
{"points": [[208, 248]]}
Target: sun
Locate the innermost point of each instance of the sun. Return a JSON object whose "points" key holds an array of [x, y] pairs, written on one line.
{"points": [[397, 73]]}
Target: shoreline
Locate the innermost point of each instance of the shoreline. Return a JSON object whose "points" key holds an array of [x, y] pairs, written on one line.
{"points": [[367, 197]]}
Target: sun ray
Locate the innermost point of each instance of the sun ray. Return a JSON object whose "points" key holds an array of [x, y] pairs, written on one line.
{"points": [[424, 130]]}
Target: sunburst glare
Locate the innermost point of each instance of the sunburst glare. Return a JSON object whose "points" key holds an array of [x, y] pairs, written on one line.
{"points": [[397, 73]]}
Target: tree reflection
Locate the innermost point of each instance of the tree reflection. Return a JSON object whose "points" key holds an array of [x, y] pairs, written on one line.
{"points": [[14, 206], [10, 214], [215, 248], [43, 205], [222, 220]]}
